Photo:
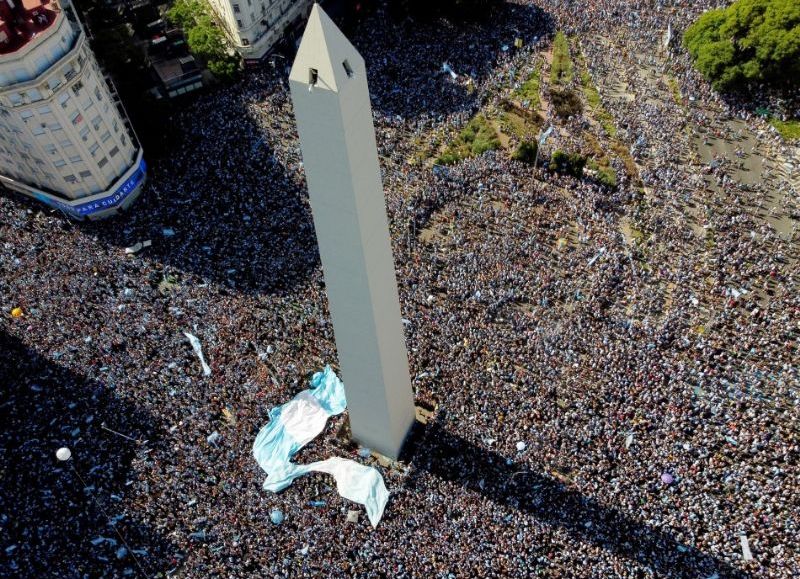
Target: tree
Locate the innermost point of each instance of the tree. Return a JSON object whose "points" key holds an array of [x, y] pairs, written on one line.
{"points": [[566, 102], [526, 152], [226, 67], [204, 37], [474, 139], [116, 50], [184, 13], [750, 42], [567, 163]]}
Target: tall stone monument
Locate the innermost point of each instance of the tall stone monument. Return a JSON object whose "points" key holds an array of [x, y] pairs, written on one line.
{"points": [[328, 83]]}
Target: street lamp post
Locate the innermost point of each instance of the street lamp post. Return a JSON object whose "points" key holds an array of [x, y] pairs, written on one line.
{"points": [[64, 454]]}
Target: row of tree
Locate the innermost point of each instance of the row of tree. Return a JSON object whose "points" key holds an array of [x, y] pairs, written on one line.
{"points": [[751, 42]]}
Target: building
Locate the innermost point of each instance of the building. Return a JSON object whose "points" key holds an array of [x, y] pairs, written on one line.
{"points": [[64, 138], [174, 70], [255, 27]]}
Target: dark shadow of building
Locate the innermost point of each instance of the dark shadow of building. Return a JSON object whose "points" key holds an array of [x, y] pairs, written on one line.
{"points": [[447, 456], [50, 525]]}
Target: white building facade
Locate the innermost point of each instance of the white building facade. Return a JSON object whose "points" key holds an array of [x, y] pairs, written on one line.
{"points": [[63, 138], [256, 26]]}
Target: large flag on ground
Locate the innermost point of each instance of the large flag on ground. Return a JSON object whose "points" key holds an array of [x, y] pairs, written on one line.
{"points": [[293, 425]]}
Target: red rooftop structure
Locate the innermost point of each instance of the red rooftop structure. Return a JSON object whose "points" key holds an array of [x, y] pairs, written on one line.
{"points": [[22, 20]]}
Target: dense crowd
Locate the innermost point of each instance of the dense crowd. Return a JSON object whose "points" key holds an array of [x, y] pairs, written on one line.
{"points": [[613, 375]]}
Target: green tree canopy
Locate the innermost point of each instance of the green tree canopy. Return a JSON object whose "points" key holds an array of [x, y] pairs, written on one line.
{"points": [[206, 39], [526, 152], [204, 36], [751, 41], [184, 13], [567, 163]]}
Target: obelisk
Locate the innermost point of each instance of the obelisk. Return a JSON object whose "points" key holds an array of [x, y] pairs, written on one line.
{"points": [[329, 90]]}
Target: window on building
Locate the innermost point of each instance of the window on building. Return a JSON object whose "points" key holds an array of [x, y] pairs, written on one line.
{"points": [[236, 8], [63, 99], [41, 64], [245, 41], [76, 88], [94, 148], [44, 110], [113, 152], [76, 118], [116, 127], [98, 95], [16, 99], [50, 149], [54, 126], [75, 159], [348, 69], [59, 162], [102, 162], [239, 24], [70, 73], [26, 115], [84, 133], [106, 136], [54, 83], [96, 122], [34, 95], [70, 178], [85, 174], [38, 130]]}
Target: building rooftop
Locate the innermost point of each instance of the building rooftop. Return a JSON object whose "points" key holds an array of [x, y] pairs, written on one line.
{"points": [[22, 20], [170, 58], [172, 70]]}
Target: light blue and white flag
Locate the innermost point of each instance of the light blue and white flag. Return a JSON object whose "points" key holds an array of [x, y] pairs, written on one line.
{"points": [[198, 350], [546, 134], [293, 425]]}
